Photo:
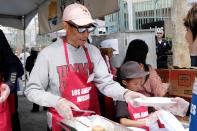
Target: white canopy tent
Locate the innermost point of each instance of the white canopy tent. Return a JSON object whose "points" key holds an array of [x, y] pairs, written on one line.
{"points": [[18, 13]]}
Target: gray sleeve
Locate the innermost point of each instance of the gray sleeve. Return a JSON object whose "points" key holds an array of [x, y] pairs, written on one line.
{"points": [[38, 83], [104, 80], [122, 110]]}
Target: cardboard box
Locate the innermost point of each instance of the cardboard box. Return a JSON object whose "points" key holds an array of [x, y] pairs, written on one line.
{"points": [[181, 82], [164, 74]]}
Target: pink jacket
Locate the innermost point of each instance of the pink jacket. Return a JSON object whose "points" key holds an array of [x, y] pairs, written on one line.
{"points": [[153, 85]]}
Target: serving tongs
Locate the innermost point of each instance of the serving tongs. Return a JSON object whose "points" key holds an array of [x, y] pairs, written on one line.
{"points": [[85, 111], [75, 119], [66, 126]]}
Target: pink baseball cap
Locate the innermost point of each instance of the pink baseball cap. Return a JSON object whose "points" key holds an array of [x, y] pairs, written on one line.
{"points": [[78, 14]]}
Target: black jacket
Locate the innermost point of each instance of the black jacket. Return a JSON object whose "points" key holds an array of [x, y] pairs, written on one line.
{"points": [[162, 49], [10, 66], [30, 61]]}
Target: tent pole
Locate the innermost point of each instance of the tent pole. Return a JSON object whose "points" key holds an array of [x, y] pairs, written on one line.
{"points": [[24, 46]]}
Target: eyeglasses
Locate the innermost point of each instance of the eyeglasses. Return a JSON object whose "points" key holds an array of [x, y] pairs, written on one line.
{"points": [[82, 29]]}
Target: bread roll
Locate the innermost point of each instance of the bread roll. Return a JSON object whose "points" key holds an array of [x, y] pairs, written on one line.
{"points": [[98, 128]]}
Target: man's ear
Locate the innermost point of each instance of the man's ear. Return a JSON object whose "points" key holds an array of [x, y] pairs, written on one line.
{"points": [[124, 82], [65, 25]]}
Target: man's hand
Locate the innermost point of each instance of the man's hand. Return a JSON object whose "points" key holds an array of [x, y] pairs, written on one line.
{"points": [[131, 95], [64, 106], [179, 108], [5, 91]]}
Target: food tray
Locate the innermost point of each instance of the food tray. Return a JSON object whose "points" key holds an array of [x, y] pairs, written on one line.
{"points": [[91, 121]]}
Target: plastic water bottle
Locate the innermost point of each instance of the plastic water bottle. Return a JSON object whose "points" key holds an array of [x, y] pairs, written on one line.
{"points": [[193, 111]]}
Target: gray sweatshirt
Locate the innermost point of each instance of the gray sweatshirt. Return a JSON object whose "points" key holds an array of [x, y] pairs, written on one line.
{"points": [[43, 85]]}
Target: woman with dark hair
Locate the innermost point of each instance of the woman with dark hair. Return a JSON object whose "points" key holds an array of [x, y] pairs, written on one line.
{"points": [[153, 86], [191, 33], [190, 22], [11, 68], [137, 51]]}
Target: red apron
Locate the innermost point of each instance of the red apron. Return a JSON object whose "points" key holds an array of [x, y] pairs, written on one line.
{"points": [[137, 113], [140, 113], [5, 122], [77, 90]]}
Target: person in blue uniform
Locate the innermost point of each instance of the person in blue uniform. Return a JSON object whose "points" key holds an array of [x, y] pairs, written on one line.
{"points": [[162, 49]]}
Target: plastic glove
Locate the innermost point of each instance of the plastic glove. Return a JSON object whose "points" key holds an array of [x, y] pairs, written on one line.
{"points": [[5, 91], [151, 119], [129, 96], [64, 106], [179, 108]]}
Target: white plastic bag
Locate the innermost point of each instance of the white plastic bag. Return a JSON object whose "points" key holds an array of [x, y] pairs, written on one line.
{"points": [[170, 121]]}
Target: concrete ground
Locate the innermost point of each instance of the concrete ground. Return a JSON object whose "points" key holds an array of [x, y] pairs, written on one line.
{"points": [[31, 121]]}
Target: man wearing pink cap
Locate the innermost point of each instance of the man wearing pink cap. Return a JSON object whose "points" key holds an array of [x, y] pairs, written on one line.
{"points": [[68, 72]]}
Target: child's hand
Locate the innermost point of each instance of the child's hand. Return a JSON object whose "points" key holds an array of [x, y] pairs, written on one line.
{"points": [[151, 119]]}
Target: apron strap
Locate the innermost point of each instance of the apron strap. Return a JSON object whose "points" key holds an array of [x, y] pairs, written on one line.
{"points": [[87, 56], [89, 60], [66, 54]]}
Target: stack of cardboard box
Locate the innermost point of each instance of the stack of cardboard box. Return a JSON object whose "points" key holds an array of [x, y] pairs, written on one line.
{"points": [[181, 85], [180, 80]]}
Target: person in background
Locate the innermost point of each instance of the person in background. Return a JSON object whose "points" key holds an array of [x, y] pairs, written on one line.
{"points": [[28, 67], [107, 54], [23, 56], [163, 49], [153, 86], [181, 108], [31, 60], [190, 22], [106, 103], [190, 36], [68, 73], [132, 77], [11, 69]]}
